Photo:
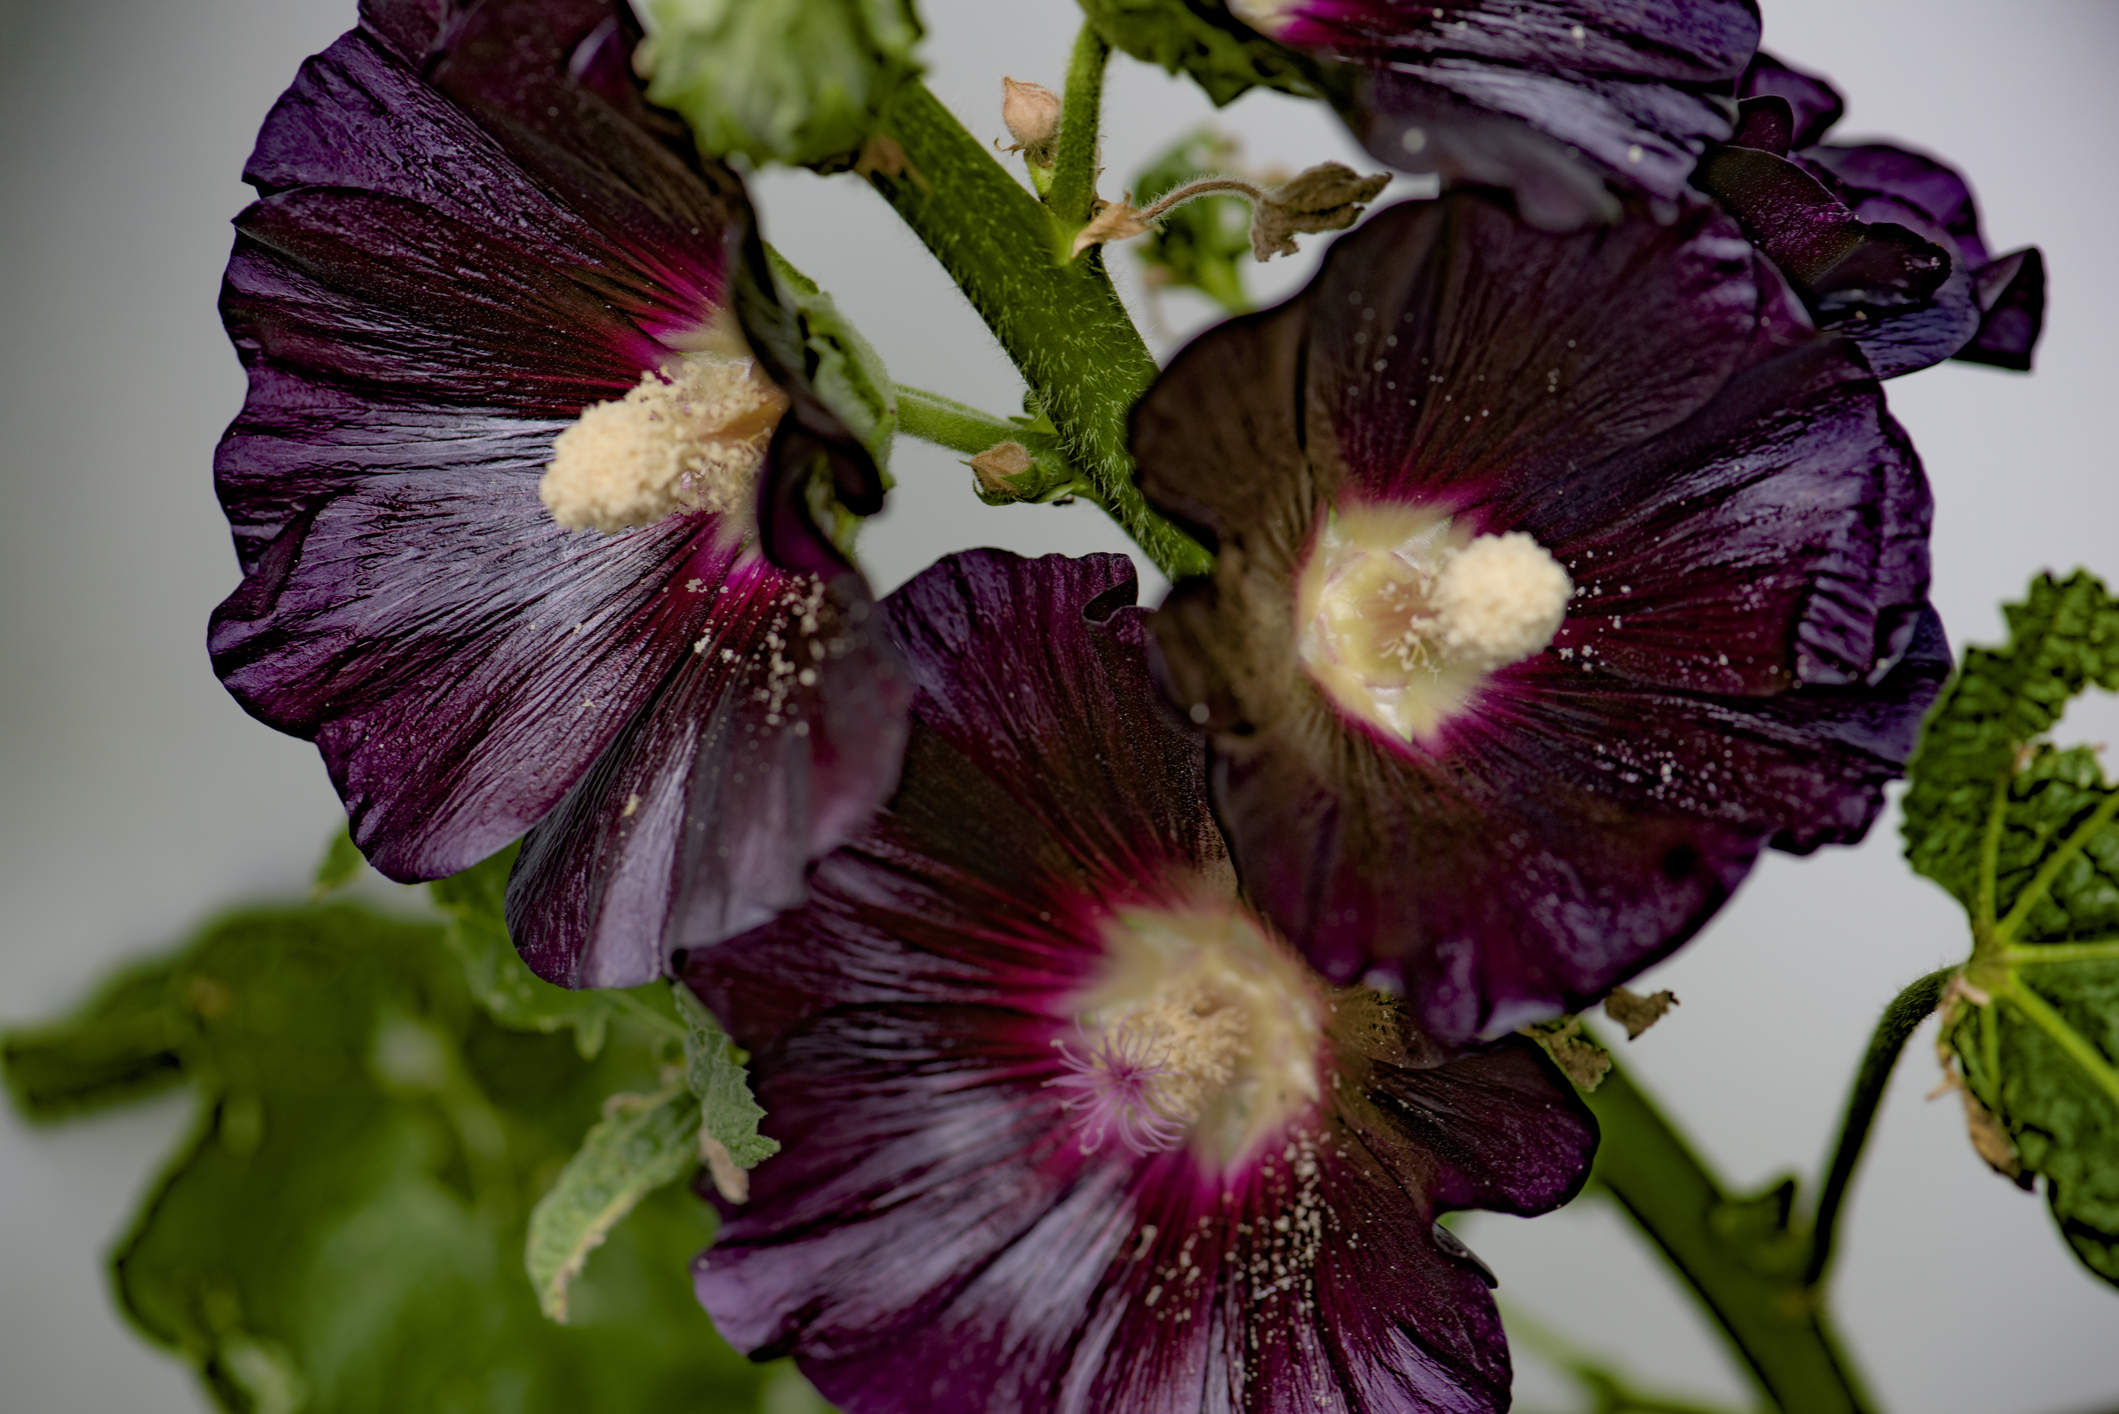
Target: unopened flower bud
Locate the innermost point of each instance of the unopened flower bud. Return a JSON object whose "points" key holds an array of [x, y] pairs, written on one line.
{"points": [[1032, 113], [997, 467], [1327, 197]]}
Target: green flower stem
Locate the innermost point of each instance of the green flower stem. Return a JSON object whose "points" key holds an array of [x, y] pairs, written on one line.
{"points": [[1060, 321], [1900, 1019], [949, 423], [1073, 189], [1773, 1320]]}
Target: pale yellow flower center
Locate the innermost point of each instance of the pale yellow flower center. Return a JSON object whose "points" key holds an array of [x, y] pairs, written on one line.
{"points": [[1399, 617], [689, 438], [1202, 1029]]}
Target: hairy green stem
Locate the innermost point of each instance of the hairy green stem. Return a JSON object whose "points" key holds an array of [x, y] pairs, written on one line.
{"points": [[1073, 189], [1898, 1023], [1770, 1317], [1060, 321]]}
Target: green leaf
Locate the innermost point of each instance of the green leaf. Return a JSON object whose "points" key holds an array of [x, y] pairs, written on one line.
{"points": [[713, 1068], [122, 1044], [793, 81], [642, 1143], [512, 994], [1203, 244], [2022, 833], [343, 1232], [1224, 56], [341, 864], [843, 367]]}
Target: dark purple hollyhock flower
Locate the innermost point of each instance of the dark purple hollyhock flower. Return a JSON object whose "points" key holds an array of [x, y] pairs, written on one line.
{"points": [[1883, 244], [1556, 100], [492, 492], [1557, 576], [1065, 1126]]}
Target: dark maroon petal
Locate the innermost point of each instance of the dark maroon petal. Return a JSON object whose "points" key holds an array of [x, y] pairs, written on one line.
{"points": [[1868, 175], [457, 657], [472, 226], [1076, 731], [1554, 141], [1746, 531], [1813, 104], [932, 1236], [1664, 39], [2011, 295], [774, 740], [1837, 261]]}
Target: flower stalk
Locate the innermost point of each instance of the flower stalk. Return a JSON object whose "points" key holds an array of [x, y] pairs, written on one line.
{"points": [[1771, 1315], [1073, 191], [1061, 323]]}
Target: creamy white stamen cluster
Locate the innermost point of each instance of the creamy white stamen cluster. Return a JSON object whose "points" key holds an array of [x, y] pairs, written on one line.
{"points": [[688, 438], [1201, 1029], [1399, 617]]}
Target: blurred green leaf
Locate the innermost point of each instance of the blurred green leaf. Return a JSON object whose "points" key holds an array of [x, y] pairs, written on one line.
{"points": [[1206, 243], [344, 1229], [642, 1143], [512, 994], [340, 866], [122, 1044], [2022, 833], [793, 81], [713, 1068], [843, 367], [1224, 56]]}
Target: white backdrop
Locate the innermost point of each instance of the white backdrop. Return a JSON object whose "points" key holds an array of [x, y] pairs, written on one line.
{"points": [[138, 798]]}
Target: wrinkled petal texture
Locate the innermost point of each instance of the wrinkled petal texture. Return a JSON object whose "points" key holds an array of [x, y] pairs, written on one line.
{"points": [[932, 1238], [1848, 225], [1517, 95], [470, 228], [1745, 659]]}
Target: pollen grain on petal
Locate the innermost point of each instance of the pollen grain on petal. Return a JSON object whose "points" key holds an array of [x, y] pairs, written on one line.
{"points": [[690, 438]]}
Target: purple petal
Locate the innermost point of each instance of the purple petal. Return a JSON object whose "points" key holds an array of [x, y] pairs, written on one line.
{"points": [[932, 1235], [1664, 39], [471, 226], [2011, 295], [1813, 104], [1745, 528], [774, 741]]}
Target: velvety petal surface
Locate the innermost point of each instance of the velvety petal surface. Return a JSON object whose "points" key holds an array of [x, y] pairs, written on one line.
{"points": [[470, 227], [932, 1236], [1744, 659], [1882, 243], [1556, 101]]}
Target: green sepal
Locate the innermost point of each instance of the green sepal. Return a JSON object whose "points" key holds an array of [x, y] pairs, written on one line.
{"points": [[843, 368], [343, 1231], [340, 866], [125, 1043], [1204, 244], [793, 81], [1223, 55], [2022, 833], [713, 1069], [642, 1143]]}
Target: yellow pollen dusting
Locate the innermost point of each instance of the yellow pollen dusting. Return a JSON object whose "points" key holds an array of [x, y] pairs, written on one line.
{"points": [[1400, 616], [1229, 1020], [689, 438]]}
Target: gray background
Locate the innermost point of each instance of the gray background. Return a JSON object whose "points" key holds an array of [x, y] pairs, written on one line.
{"points": [[138, 799]]}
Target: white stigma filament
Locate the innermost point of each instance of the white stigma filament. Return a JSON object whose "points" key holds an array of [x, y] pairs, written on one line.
{"points": [[1201, 1029], [1399, 618], [687, 439]]}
